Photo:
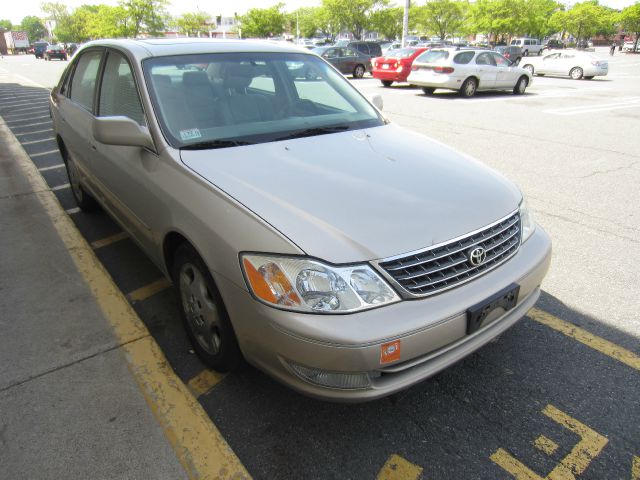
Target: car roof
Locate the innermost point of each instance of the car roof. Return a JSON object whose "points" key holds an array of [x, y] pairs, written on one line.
{"points": [[146, 48]]}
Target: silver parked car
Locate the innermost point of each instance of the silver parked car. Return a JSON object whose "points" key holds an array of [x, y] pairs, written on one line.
{"points": [[570, 63], [344, 256], [467, 71]]}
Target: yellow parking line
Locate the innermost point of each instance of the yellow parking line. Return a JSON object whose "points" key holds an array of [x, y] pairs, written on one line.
{"points": [[546, 445], [201, 449], [590, 340], [204, 382], [635, 468], [103, 242], [148, 290], [397, 468]]}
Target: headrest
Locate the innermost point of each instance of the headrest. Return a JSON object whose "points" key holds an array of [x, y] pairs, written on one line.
{"points": [[161, 80], [195, 79], [238, 76]]}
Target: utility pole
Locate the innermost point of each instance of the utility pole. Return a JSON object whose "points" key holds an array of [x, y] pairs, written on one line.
{"points": [[405, 22]]}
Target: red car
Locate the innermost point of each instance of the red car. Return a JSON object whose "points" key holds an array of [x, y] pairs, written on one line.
{"points": [[396, 66]]}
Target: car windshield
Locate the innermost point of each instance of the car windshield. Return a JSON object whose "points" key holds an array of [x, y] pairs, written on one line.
{"points": [[227, 99], [433, 56], [401, 53]]}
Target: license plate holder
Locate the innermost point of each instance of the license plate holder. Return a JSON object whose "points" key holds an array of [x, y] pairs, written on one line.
{"points": [[505, 298]]}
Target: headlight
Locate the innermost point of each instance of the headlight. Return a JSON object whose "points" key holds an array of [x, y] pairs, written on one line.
{"points": [[526, 220], [310, 286]]}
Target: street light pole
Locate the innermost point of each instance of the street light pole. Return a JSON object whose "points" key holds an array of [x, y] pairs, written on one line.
{"points": [[405, 22]]}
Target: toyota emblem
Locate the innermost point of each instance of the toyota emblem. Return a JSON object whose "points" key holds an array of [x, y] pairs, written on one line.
{"points": [[477, 256]]}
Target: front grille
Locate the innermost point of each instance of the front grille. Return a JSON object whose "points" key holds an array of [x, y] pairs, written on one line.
{"points": [[445, 266]]}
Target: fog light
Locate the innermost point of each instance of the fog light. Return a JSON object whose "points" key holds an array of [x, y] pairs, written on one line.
{"points": [[342, 380]]}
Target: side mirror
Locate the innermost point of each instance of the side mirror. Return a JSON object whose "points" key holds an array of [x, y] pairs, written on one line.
{"points": [[377, 101], [121, 131]]}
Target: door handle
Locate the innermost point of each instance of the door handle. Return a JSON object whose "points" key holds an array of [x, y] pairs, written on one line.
{"points": [[93, 147]]}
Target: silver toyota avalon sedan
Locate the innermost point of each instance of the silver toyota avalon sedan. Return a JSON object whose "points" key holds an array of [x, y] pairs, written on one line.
{"points": [[303, 232]]}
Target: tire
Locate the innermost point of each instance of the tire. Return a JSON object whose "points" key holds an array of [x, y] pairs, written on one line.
{"points": [[428, 90], [525, 53], [521, 85], [386, 83], [576, 73], [590, 77], [85, 201], [203, 313], [358, 72], [469, 87], [529, 68]]}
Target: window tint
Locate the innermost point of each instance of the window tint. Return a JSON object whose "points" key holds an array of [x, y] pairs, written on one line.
{"points": [[485, 59], [500, 60], [83, 84], [433, 56], [118, 94], [347, 52], [463, 58], [527, 42]]}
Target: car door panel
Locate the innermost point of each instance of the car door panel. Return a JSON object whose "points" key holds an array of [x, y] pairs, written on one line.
{"points": [[486, 71]]}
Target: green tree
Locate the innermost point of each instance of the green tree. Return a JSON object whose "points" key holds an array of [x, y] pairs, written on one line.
{"points": [[584, 20], [34, 27], [263, 22], [535, 17], [6, 24], [146, 16], [351, 15], [442, 17], [630, 20], [306, 20], [106, 22], [191, 24], [387, 22]]}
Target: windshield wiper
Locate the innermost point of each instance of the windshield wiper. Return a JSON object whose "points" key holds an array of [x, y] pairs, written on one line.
{"points": [[310, 132], [211, 144]]}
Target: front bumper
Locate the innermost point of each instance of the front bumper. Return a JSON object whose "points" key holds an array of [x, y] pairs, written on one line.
{"points": [[432, 331]]}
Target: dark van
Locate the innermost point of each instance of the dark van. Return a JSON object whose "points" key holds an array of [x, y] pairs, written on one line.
{"points": [[371, 49]]}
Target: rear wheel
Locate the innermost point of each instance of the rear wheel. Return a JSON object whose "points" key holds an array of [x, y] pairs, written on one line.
{"points": [[525, 53], [203, 313], [358, 72], [521, 86], [428, 90], [576, 73], [469, 87], [85, 202], [386, 83]]}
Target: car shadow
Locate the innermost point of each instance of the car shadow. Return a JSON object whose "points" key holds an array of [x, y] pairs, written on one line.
{"points": [[452, 423]]}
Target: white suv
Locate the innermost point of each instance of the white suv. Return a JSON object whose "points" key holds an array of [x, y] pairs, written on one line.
{"points": [[528, 45]]}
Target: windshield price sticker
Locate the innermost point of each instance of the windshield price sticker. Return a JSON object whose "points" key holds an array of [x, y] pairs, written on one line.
{"points": [[190, 134]]}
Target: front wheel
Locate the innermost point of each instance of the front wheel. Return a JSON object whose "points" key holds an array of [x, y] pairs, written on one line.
{"points": [[521, 86], [85, 202], [428, 90], [203, 313], [469, 87], [358, 72], [576, 73], [529, 68], [386, 83]]}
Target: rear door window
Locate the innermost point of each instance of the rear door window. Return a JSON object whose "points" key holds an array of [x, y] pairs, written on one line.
{"points": [[118, 93], [83, 84], [463, 58]]}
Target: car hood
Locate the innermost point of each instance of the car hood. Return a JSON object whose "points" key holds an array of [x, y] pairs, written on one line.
{"points": [[360, 195]]}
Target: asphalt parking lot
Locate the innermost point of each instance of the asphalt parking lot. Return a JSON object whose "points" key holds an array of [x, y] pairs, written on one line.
{"points": [[554, 397]]}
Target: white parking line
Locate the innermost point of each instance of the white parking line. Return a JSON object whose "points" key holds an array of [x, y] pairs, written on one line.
{"points": [[15, 115], [34, 132], [60, 187], [632, 102], [52, 167], [44, 153], [49, 139], [31, 125], [34, 118]]}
